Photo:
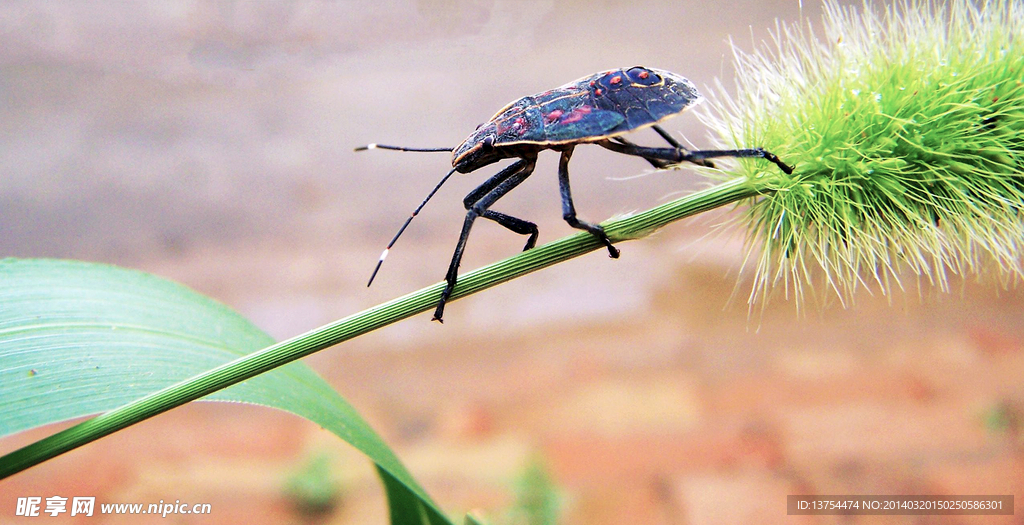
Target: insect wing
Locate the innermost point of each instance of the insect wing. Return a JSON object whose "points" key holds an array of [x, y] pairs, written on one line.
{"points": [[569, 113], [519, 122], [643, 96], [583, 122]]}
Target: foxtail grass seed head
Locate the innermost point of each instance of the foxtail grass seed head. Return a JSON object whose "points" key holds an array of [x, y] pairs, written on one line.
{"points": [[906, 127]]}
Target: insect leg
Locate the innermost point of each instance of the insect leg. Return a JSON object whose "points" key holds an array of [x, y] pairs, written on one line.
{"points": [[696, 157], [569, 211], [668, 137], [515, 224], [491, 183], [675, 144], [658, 164], [497, 189]]}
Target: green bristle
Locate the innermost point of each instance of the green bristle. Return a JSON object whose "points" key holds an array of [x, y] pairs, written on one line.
{"points": [[905, 126]]}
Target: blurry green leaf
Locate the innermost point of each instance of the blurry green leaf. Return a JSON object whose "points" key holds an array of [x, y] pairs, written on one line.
{"points": [[537, 496], [79, 338], [473, 520], [312, 488], [1001, 418], [406, 510]]}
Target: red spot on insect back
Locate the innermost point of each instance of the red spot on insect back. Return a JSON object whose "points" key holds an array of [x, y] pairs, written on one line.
{"points": [[576, 115], [643, 74], [520, 125], [616, 79], [553, 116]]}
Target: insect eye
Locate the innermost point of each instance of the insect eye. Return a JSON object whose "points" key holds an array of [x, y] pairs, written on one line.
{"points": [[487, 142], [643, 76]]}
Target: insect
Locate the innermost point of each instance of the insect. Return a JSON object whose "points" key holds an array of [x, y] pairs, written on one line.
{"points": [[597, 109]]}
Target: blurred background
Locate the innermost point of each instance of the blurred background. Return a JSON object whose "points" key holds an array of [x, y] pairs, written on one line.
{"points": [[211, 143]]}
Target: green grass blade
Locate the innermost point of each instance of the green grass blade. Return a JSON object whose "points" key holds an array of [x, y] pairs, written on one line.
{"points": [[79, 338], [405, 510]]}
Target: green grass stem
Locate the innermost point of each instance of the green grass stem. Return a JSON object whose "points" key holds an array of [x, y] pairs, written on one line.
{"points": [[620, 229]]}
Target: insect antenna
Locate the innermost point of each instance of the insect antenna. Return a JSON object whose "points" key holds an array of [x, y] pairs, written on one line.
{"points": [[384, 254], [398, 148]]}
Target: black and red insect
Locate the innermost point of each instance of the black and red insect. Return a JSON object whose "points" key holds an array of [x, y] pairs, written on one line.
{"points": [[597, 109]]}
